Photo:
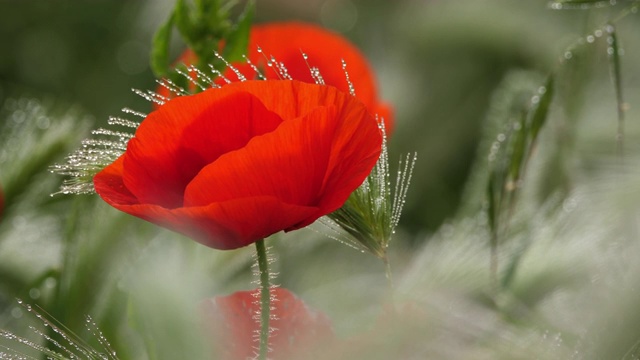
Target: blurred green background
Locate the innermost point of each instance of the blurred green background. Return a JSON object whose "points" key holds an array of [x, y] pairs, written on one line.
{"points": [[448, 67], [436, 61]]}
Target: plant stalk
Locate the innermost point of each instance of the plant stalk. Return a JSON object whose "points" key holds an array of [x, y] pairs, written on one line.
{"points": [[388, 275], [265, 298]]}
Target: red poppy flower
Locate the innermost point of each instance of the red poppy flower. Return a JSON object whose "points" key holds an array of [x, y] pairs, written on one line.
{"points": [[325, 50], [299, 332], [235, 164]]}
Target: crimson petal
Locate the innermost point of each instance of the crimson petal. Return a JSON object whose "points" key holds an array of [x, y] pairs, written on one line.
{"points": [[291, 153], [299, 330], [174, 143]]}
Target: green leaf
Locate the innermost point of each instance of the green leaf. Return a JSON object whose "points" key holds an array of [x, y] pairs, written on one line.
{"points": [[226, 7], [27, 150], [238, 38], [184, 22], [616, 78], [518, 148], [160, 48], [614, 57], [492, 210], [580, 4], [540, 114], [205, 8], [211, 13]]}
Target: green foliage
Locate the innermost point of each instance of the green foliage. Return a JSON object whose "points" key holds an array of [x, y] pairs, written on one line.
{"points": [[371, 214], [203, 26], [512, 149], [160, 50], [616, 77], [518, 114], [554, 204], [237, 40], [580, 4], [34, 134]]}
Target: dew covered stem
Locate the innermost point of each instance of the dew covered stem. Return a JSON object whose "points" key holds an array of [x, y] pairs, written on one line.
{"points": [[265, 298]]}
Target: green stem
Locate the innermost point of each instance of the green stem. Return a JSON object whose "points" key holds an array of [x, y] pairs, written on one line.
{"points": [[387, 269], [493, 269], [265, 299]]}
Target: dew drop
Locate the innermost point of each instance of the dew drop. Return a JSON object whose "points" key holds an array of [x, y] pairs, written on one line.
{"points": [[133, 112], [535, 99], [568, 55], [591, 39]]}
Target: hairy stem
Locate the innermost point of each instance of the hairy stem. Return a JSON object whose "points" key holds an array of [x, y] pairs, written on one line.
{"points": [[265, 299]]}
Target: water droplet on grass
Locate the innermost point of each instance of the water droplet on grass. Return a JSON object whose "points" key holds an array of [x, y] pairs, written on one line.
{"points": [[535, 99]]}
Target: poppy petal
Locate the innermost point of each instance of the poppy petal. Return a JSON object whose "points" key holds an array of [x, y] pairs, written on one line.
{"points": [[285, 42], [291, 99], [225, 225], [325, 50], [300, 331], [266, 156], [176, 141], [110, 186], [289, 164], [238, 222], [315, 160]]}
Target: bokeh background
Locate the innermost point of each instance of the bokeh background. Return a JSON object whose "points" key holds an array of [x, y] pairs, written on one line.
{"points": [[66, 66], [437, 62]]}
